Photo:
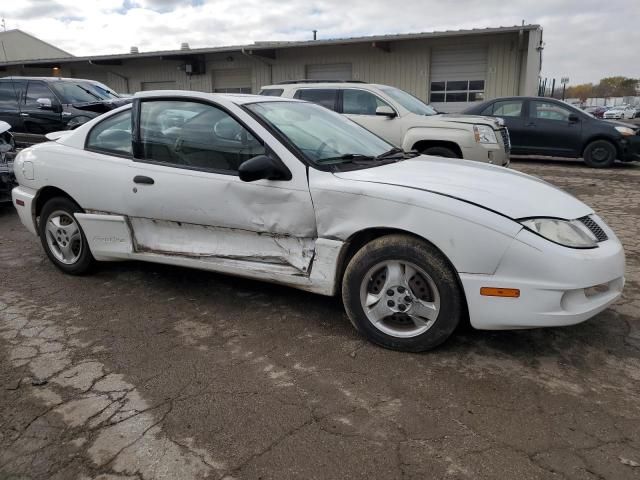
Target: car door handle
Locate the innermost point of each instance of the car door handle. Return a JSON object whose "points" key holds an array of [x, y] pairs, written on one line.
{"points": [[531, 124], [143, 179], [24, 114]]}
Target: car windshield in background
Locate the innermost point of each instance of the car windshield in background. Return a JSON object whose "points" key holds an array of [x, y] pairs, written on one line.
{"points": [[81, 92], [324, 137], [101, 90], [408, 101]]}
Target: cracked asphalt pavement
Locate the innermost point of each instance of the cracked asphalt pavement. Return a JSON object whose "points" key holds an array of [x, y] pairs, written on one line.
{"points": [[142, 371]]}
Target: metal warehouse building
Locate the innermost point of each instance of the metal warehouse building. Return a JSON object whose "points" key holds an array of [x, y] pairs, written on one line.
{"points": [[447, 69]]}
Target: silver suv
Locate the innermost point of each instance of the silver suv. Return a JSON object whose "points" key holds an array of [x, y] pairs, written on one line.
{"points": [[405, 121]]}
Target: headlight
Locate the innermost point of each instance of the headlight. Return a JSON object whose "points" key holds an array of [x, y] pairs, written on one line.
{"points": [[484, 134], [570, 233], [625, 131]]}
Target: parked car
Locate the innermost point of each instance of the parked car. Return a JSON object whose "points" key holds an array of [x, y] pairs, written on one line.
{"points": [[620, 112], [549, 127], [7, 153], [597, 112], [41, 105], [293, 193], [405, 121]]}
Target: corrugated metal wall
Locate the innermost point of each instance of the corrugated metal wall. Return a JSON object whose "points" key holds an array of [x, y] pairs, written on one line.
{"points": [[406, 66]]}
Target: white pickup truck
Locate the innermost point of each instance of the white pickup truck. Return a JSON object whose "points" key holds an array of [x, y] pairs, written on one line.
{"points": [[404, 120]]}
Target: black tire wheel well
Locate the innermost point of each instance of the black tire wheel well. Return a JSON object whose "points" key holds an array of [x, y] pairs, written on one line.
{"points": [[65, 205], [606, 143], [606, 139], [363, 237], [47, 193], [437, 268], [423, 145]]}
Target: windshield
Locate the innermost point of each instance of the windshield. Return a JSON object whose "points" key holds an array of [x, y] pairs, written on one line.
{"points": [[82, 92], [323, 136], [408, 101]]}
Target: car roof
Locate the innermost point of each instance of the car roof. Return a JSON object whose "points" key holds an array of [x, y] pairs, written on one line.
{"points": [[49, 79], [342, 84], [237, 98]]}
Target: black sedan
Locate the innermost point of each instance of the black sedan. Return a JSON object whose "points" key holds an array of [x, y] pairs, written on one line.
{"points": [[549, 127]]}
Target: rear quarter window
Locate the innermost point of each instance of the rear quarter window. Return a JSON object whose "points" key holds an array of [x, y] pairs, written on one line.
{"points": [[112, 135], [271, 92], [322, 96]]}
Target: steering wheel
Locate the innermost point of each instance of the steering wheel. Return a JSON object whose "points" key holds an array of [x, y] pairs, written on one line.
{"points": [[329, 143]]}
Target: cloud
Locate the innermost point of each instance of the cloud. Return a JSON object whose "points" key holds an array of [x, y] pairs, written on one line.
{"points": [[584, 40]]}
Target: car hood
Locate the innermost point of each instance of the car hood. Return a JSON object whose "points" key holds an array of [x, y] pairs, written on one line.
{"points": [[499, 189], [494, 123], [622, 124]]}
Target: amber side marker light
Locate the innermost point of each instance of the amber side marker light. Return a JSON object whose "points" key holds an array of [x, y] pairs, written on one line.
{"points": [[500, 292]]}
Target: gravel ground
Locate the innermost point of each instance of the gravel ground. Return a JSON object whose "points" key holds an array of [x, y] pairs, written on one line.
{"points": [[148, 372]]}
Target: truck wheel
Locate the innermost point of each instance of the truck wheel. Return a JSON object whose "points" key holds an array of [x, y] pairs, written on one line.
{"points": [[600, 154], [62, 237], [402, 294], [440, 152]]}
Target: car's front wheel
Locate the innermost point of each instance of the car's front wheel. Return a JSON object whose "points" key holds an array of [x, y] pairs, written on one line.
{"points": [[401, 293], [62, 237], [600, 154]]}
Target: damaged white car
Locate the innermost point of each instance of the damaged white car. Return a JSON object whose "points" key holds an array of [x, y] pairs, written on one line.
{"points": [[290, 192]]}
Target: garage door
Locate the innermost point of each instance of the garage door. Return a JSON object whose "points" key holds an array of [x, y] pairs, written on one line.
{"points": [[331, 71], [458, 76], [233, 80], [169, 85]]}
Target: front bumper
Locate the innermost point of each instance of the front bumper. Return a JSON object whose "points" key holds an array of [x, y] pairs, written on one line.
{"points": [[630, 148], [23, 199], [556, 284], [494, 153]]}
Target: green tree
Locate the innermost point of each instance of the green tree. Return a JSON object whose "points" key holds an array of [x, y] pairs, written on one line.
{"points": [[582, 91], [616, 87]]}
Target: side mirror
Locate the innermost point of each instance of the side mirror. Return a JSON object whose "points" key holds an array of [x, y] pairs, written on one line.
{"points": [[386, 111], [573, 118], [44, 103], [263, 167]]}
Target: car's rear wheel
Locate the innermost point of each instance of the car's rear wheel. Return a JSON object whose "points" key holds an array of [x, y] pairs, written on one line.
{"points": [[401, 293], [440, 152], [62, 237], [600, 154]]}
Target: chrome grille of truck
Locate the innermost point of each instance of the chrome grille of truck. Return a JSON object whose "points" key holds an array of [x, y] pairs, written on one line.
{"points": [[506, 139]]}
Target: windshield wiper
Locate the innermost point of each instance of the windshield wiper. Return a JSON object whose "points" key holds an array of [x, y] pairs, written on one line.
{"points": [[394, 152], [89, 92], [397, 154], [347, 157]]}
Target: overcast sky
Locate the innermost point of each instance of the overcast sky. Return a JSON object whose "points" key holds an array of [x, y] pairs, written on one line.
{"points": [[584, 39]]}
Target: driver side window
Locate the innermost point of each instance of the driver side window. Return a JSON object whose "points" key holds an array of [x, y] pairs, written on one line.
{"points": [[195, 136]]}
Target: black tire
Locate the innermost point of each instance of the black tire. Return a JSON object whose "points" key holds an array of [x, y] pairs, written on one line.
{"points": [[403, 248], [85, 260], [440, 152], [600, 154]]}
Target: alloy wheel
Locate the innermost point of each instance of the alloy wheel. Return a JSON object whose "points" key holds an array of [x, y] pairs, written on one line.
{"points": [[63, 237], [400, 299]]}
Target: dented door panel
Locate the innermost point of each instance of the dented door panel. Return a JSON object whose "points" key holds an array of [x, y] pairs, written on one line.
{"points": [[205, 242]]}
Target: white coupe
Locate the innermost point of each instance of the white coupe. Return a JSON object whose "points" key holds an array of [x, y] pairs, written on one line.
{"points": [[620, 113], [290, 192]]}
